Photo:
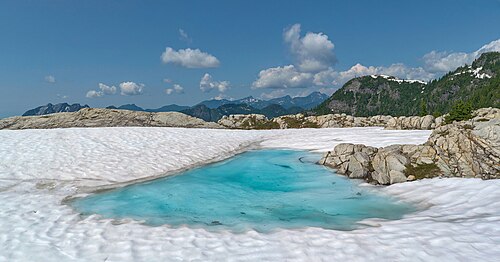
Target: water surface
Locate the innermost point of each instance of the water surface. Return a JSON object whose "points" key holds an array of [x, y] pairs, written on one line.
{"points": [[260, 190]]}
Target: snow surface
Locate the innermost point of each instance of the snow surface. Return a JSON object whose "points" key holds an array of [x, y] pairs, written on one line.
{"points": [[394, 79], [474, 72], [39, 169]]}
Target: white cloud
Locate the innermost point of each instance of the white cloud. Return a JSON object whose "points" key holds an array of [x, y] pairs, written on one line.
{"points": [[176, 88], [442, 62], [331, 77], [207, 84], [103, 90], [190, 58], [222, 96], [94, 94], [107, 90], [167, 80], [184, 36], [131, 88], [283, 77], [313, 52], [50, 79], [314, 57], [404, 72]]}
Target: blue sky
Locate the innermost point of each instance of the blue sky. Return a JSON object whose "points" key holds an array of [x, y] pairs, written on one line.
{"points": [[114, 52]]}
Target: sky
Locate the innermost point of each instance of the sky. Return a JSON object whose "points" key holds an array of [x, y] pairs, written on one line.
{"points": [[154, 53]]}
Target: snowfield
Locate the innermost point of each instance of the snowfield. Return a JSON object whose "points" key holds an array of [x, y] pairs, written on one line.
{"points": [[39, 169]]}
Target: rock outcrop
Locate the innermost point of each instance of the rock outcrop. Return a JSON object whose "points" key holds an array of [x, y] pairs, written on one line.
{"points": [[462, 149], [97, 117], [250, 121], [389, 122], [334, 120], [427, 122], [337, 120]]}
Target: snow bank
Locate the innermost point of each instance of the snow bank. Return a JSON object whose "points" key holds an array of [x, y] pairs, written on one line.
{"points": [[40, 168]]}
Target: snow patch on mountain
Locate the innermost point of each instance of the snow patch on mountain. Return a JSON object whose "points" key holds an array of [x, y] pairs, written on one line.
{"points": [[474, 72], [394, 79]]}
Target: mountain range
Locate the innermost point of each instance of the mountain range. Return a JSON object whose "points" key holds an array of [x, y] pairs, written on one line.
{"points": [[212, 110], [306, 102], [478, 84], [57, 108]]}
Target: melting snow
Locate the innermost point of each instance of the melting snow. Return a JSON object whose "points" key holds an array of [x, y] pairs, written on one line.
{"points": [[475, 72], [391, 78], [459, 220]]}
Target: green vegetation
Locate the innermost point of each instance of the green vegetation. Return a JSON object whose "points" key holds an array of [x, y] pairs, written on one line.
{"points": [[436, 114], [459, 112], [423, 108], [266, 125], [478, 84], [423, 171]]}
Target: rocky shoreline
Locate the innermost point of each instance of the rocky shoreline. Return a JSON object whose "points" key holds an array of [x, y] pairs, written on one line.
{"points": [[461, 149]]}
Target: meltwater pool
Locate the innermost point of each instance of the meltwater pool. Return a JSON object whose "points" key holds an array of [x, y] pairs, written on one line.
{"points": [[260, 190]]}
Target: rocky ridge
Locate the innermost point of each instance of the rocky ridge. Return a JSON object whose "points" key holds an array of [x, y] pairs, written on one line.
{"points": [[477, 83], [332, 120], [97, 117], [461, 149], [54, 108]]}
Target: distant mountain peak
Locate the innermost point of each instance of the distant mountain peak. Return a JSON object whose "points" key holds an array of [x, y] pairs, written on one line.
{"points": [[386, 95], [54, 108]]}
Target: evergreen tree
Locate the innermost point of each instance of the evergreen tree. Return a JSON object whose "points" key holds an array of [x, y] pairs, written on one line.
{"points": [[423, 108], [460, 111]]}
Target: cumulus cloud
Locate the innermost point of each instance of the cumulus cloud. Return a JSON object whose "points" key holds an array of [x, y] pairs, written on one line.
{"points": [[93, 94], [175, 89], [107, 90], [131, 88], [167, 80], [103, 90], [336, 78], [283, 77], [222, 96], [313, 52], [184, 36], [207, 84], [190, 58], [314, 59], [50, 79], [442, 62]]}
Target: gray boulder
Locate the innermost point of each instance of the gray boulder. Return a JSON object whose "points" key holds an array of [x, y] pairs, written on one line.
{"points": [[461, 149], [359, 165], [386, 160]]}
